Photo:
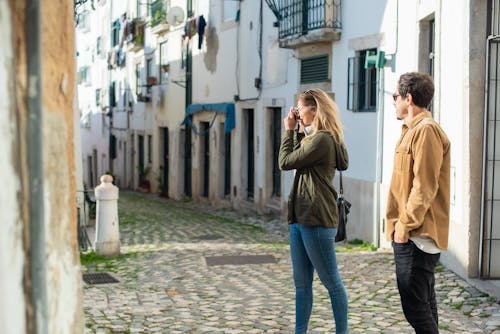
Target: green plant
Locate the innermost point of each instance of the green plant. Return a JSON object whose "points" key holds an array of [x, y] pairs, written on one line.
{"points": [[144, 174], [161, 186], [356, 245]]}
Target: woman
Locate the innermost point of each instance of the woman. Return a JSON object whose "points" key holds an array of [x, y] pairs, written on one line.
{"points": [[315, 150]]}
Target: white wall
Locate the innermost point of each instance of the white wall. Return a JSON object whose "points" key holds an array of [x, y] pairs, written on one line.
{"points": [[453, 117]]}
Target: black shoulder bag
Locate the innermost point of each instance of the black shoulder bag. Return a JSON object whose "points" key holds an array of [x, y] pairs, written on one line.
{"points": [[344, 207]]}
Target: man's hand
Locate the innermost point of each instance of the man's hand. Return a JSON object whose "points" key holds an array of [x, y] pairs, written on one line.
{"points": [[401, 235]]}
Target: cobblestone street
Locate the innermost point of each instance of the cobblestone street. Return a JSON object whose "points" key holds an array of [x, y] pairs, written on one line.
{"points": [[166, 285]]}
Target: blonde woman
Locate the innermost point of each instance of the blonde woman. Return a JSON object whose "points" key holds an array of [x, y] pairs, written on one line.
{"points": [[313, 145]]}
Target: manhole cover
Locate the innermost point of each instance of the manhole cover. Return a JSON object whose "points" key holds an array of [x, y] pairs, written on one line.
{"points": [[209, 237], [239, 259], [99, 278]]}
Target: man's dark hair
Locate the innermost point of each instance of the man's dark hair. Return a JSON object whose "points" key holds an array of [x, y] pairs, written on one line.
{"points": [[419, 85]]}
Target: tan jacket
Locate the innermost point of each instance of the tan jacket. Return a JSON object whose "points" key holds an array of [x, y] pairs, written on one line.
{"points": [[419, 196]]}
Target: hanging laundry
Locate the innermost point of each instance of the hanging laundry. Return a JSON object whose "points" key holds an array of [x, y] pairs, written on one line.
{"points": [[201, 23], [123, 35], [120, 57], [190, 28], [111, 59]]}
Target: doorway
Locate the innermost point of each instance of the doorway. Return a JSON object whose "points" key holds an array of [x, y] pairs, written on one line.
{"points": [[205, 157], [248, 143], [140, 164], [276, 143], [164, 182]]}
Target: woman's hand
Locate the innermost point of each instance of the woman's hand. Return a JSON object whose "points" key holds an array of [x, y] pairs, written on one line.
{"points": [[290, 121]]}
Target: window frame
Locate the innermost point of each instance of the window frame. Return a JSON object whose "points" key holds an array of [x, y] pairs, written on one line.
{"points": [[163, 61], [115, 33], [361, 84], [227, 6]]}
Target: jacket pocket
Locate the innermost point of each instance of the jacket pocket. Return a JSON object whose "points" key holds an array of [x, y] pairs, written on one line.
{"points": [[403, 161]]}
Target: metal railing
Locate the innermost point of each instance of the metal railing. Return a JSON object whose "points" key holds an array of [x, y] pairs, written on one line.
{"points": [[89, 212], [298, 17]]}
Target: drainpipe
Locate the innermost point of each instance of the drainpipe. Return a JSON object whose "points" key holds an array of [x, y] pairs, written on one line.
{"points": [[188, 100], [35, 168], [380, 155], [110, 113]]}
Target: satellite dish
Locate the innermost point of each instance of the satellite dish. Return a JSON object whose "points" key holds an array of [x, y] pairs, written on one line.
{"points": [[175, 16]]}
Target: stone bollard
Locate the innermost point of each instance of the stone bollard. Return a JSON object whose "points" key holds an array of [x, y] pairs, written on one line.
{"points": [[107, 236]]}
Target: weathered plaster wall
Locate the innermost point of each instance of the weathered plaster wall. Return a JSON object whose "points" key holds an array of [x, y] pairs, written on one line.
{"points": [[64, 287]]}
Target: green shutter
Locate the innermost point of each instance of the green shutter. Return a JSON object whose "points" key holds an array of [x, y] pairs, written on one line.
{"points": [[314, 69], [351, 83]]}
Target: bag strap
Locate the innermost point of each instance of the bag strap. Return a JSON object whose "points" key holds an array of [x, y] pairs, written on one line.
{"points": [[341, 189]]}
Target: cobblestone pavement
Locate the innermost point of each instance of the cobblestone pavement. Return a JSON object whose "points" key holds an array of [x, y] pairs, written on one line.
{"points": [[166, 285]]}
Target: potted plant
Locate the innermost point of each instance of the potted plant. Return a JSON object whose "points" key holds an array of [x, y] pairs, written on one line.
{"points": [[144, 183], [152, 81]]}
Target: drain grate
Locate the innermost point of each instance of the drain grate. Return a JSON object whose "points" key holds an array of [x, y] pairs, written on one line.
{"points": [[99, 278], [209, 237], [239, 259]]}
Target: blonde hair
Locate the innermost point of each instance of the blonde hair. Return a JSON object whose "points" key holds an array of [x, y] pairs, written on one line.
{"points": [[327, 113]]}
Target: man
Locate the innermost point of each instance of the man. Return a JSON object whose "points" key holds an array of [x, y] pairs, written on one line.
{"points": [[419, 201]]}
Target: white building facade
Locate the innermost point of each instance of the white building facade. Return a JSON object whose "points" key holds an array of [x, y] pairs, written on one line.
{"points": [[197, 109]]}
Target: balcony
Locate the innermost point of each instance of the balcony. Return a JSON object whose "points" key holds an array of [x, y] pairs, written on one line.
{"points": [[159, 23], [135, 34], [303, 22]]}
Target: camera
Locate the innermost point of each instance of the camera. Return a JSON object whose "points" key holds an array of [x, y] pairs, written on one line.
{"points": [[296, 113]]}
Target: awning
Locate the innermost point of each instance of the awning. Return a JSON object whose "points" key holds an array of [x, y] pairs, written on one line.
{"points": [[225, 108]]}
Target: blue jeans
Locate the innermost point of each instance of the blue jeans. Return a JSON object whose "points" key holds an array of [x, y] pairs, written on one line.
{"points": [[314, 248]]}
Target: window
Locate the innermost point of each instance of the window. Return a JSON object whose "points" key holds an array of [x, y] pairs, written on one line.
{"points": [[314, 69], [230, 10], [112, 94], [137, 79], [427, 49], [432, 50], [362, 84], [83, 21], [115, 33], [85, 75], [164, 64], [98, 45], [98, 97], [149, 67], [150, 74], [143, 7]]}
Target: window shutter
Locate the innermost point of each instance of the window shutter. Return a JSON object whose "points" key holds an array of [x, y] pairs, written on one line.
{"points": [[314, 69], [351, 83]]}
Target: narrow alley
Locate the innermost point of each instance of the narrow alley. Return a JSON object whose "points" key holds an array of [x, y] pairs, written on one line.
{"points": [[172, 279]]}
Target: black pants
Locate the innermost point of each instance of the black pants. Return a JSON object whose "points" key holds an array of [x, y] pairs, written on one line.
{"points": [[415, 275]]}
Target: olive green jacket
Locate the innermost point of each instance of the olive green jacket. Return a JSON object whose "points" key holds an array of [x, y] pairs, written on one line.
{"points": [[312, 200]]}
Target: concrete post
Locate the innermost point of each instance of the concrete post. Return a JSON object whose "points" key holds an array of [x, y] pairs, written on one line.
{"points": [[107, 236]]}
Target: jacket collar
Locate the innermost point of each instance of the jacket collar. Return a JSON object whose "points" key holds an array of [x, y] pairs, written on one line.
{"points": [[418, 119]]}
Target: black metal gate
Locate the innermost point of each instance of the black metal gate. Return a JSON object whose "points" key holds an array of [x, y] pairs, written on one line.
{"points": [[490, 214]]}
